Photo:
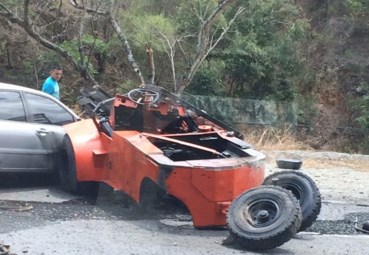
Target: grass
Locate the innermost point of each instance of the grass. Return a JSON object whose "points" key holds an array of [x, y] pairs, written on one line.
{"points": [[271, 138]]}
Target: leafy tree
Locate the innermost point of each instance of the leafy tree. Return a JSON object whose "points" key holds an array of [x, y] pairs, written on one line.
{"points": [[156, 28], [248, 49], [208, 79], [263, 57], [358, 7]]}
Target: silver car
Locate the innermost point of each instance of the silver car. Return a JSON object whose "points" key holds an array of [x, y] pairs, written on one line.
{"points": [[31, 129]]}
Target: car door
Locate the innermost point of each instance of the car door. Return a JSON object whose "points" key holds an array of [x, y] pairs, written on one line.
{"points": [[48, 115], [21, 143], [30, 131]]}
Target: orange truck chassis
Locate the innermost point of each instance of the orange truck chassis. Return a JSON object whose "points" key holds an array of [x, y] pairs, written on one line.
{"points": [[123, 161], [151, 135]]}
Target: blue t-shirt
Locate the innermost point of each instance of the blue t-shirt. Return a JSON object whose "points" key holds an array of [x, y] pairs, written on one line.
{"points": [[51, 87]]}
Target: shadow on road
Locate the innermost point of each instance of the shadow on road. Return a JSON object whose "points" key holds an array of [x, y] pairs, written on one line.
{"points": [[27, 180]]}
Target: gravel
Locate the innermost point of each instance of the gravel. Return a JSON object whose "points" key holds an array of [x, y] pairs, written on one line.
{"points": [[344, 191], [344, 194]]}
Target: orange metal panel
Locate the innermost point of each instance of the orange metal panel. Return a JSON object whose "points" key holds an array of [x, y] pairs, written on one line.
{"points": [[225, 185], [119, 164], [86, 138], [208, 193], [129, 164]]}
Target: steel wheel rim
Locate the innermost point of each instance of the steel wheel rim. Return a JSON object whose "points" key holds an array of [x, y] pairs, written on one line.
{"points": [[262, 213]]}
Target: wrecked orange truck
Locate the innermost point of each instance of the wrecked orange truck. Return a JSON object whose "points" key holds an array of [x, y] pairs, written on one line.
{"points": [[151, 135]]}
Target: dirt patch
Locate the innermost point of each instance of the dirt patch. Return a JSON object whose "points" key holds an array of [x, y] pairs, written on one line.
{"points": [[323, 160], [356, 165]]}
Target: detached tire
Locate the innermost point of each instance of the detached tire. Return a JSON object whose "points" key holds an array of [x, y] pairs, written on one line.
{"points": [[264, 218], [68, 174], [304, 189]]}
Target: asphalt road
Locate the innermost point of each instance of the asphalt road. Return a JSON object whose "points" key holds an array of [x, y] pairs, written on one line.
{"points": [[38, 218]]}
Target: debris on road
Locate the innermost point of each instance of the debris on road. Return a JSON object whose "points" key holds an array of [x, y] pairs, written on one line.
{"points": [[16, 207], [5, 249], [364, 229]]}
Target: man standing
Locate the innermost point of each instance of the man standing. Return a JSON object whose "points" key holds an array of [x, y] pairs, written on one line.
{"points": [[51, 85]]}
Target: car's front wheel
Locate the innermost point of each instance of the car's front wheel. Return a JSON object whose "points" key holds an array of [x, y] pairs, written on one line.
{"points": [[68, 174]]}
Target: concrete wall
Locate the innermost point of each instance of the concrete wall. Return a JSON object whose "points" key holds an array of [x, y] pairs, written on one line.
{"points": [[245, 111]]}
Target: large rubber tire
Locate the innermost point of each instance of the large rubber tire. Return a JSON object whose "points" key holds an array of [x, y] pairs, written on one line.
{"points": [[304, 189], [264, 218], [68, 174]]}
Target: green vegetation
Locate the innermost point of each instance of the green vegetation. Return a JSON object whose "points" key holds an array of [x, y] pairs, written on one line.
{"points": [[300, 52], [358, 7], [260, 57], [264, 56]]}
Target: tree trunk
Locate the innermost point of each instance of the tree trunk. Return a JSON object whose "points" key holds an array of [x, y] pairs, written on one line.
{"points": [[151, 64]]}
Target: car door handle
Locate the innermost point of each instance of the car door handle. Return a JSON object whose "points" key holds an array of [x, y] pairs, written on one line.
{"points": [[42, 131]]}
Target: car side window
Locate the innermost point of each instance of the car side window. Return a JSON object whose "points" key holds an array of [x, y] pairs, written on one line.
{"points": [[11, 106], [46, 111]]}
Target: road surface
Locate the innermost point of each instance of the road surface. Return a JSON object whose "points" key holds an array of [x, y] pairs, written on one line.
{"points": [[38, 218]]}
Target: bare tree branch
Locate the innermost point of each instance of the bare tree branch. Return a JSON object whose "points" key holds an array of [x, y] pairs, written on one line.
{"points": [[76, 5], [26, 11], [123, 38], [94, 33], [121, 35], [203, 42], [197, 12], [207, 9], [36, 76], [60, 5], [7, 11], [151, 63], [42, 8], [25, 25], [225, 30], [187, 58], [170, 50], [80, 34]]}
